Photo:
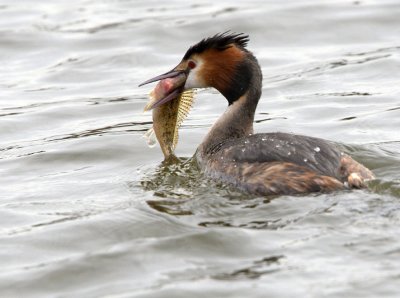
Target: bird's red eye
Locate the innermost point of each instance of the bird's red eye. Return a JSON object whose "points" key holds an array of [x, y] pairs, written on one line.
{"points": [[191, 64]]}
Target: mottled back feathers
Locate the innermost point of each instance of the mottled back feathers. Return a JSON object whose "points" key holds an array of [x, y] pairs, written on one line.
{"points": [[318, 155]]}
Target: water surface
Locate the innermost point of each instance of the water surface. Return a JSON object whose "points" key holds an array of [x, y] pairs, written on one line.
{"points": [[88, 210]]}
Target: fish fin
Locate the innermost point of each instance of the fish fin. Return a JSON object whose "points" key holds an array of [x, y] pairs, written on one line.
{"points": [[185, 100]]}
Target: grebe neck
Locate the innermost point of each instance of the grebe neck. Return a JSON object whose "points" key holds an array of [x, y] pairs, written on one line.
{"points": [[235, 122]]}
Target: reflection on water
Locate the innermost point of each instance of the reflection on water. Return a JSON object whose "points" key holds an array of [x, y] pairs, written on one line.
{"points": [[88, 210], [178, 188], [258, 268]]}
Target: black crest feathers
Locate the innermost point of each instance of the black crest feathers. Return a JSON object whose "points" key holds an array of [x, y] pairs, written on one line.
{"points": [[220, 41]]}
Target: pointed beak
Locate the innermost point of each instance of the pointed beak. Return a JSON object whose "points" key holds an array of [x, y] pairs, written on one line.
{"points": [[170, 74], [171, 85]]}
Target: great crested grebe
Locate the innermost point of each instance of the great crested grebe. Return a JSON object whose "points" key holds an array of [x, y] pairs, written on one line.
{"points": [[265, 163]]}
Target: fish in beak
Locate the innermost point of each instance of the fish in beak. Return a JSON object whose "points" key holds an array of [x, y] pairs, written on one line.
{"points": [[170, 104], [170, 86]]}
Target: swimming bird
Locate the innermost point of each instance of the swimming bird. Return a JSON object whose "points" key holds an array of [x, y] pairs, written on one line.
{"points": [[264, 163]]}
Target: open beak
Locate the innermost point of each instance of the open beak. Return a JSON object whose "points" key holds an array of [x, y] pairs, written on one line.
{"points": [[171, 85]]}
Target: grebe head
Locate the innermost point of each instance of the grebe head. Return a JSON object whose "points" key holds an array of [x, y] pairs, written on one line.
{"points": [[220, 61]]}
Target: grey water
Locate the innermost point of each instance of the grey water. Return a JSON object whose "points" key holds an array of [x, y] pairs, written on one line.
{"points": [[87, 209]]}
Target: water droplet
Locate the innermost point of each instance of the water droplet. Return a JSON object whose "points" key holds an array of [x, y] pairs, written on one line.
{"points": [[317, 149], [277, 146], [305, 159], [150, 137], [263, 139], [289, 153], [246, 142], [243, 150]]}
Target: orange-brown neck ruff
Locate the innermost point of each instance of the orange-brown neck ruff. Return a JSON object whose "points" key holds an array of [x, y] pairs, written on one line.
{"points": [[220, 68]]}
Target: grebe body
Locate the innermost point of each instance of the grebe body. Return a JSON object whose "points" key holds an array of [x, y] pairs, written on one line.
{"points": [[262, 164]]}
